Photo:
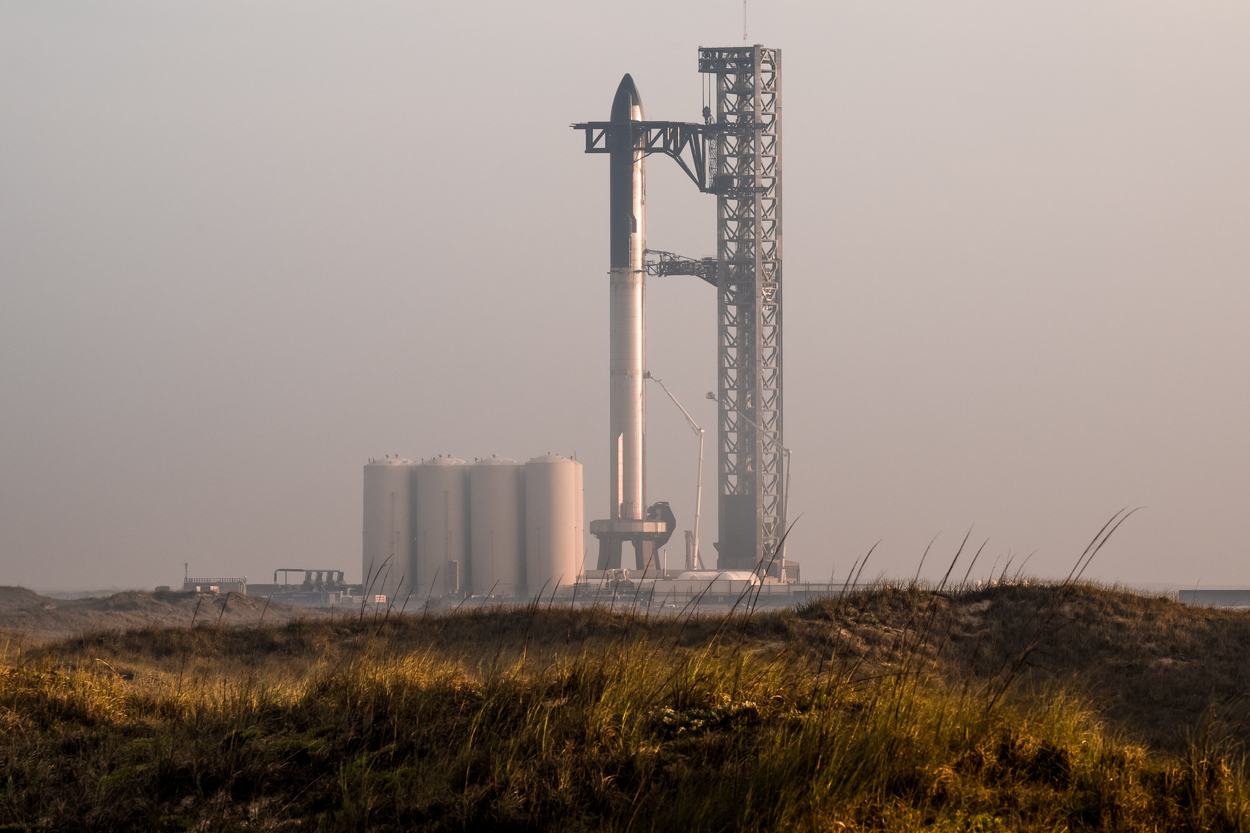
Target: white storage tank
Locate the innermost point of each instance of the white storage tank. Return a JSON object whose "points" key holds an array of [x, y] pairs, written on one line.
{"points": [[387, 564], [581, 519], [442, 527], [497, 526], [553, 523]]}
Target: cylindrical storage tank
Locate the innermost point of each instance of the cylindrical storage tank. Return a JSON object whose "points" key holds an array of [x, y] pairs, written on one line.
{"points": [[386, 566], [442, 527], [497, 527], [581, 521], [553, 524]]}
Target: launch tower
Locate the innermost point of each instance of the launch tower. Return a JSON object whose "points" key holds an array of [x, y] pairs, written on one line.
{"points": [[746, 178]]}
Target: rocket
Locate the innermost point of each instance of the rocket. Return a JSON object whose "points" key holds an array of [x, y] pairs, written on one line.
{"points": [[628, 324]]}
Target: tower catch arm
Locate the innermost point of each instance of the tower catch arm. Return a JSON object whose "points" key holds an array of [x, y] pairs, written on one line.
{"points": [[673, 138]]}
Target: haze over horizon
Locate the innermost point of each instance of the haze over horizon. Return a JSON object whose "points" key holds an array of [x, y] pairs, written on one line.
{"points": [[245, 247]]}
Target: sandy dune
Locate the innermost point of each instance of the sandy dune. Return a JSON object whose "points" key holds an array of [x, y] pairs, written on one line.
{"points": [[35, 618]]}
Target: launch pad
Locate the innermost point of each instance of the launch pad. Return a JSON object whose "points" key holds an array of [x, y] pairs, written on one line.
{"points": [[735, 154]]}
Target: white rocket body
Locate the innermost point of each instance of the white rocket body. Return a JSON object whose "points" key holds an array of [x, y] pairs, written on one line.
{"points": [[628, 338]]}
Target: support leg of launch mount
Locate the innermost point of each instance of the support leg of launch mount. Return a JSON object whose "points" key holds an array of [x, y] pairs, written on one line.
{"points": [[612, 536]]}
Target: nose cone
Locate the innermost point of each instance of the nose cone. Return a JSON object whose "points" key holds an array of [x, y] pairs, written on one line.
{"points": [[626, 100]]}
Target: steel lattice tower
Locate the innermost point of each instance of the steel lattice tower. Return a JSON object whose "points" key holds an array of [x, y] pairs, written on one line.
{"points": [[746, 177]]}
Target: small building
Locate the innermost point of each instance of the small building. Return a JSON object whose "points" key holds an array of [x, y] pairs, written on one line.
{"points": [[1216, 598], [215, 585]]}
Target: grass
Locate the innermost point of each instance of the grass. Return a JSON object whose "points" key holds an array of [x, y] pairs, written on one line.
{"points": [[899, 708]]}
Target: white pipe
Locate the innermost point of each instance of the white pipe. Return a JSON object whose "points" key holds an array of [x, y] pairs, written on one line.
{"points": [[698, 500], [698, 494]]}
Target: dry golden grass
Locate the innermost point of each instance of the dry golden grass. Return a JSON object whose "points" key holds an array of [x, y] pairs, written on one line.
{"points": [[894, 709]]}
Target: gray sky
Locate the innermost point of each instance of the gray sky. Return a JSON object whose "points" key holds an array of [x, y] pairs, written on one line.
{"points": [[245, 246]]}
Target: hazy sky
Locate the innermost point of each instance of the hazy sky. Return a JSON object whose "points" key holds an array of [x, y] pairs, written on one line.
{"points": [[245, 246]]}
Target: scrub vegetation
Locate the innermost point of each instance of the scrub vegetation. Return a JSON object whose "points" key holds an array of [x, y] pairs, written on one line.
{"points": [[1018, 706]]}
